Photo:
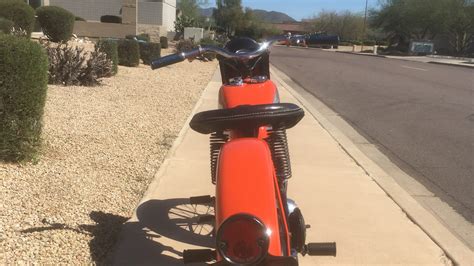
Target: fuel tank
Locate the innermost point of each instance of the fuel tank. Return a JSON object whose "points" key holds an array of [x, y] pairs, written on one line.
{"points": [[248, 93]]}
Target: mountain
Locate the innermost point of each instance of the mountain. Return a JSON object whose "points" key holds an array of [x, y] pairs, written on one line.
{"points": [[267, 16], [273, 16]]}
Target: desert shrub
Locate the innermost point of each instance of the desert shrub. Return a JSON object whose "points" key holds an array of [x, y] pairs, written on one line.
{"points": [[23, 85], [128, 53], [97, 66], [111, 19], [20, 13], [6, 25], [149, 51], [57, 23], [110, 48], [185, 45], [144, 37], [71, 65], [80, 19], [164, 42]]}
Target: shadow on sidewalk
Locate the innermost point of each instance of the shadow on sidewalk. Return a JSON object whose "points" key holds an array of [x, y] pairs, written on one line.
{"points": [[160, 221]]}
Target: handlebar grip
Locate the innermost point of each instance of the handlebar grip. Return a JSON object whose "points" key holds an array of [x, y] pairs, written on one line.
{"points": [[168, 60]]}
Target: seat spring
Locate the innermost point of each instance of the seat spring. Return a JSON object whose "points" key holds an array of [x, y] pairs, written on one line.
{"points": [[278, 144], [217, 139]]}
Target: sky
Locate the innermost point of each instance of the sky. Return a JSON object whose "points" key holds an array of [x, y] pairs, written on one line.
{"points": [[300, 9]]}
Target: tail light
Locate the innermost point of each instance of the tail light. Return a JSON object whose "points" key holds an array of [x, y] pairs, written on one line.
{"points": [[243, 239]]}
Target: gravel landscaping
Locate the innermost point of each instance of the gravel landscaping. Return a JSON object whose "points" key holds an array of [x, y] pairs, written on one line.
{"points": [[102, 146]]}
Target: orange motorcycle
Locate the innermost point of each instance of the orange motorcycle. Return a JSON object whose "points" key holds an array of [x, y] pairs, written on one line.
{"points": [[254, 222]]}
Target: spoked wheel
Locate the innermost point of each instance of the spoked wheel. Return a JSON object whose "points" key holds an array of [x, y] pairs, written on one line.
{"points": [[195, 218]]}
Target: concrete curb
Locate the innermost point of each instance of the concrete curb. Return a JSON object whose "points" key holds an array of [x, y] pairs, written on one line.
{"points": [[449, 57], [450, 64], [457, 251], [407, 59], [362, 54]]}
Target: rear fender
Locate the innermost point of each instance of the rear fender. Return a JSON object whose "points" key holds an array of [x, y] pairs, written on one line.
{"points": [[245, 184]]}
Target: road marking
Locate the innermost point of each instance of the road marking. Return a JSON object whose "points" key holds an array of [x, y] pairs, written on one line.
{"points": [[421, 69]]}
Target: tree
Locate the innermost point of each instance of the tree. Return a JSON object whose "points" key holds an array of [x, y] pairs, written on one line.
{"points": [[251, 26], [347, 25], [232, 20], [228, 15], [182, 22], [461, 26], [191, 15], [190, 8], [404, 20]]}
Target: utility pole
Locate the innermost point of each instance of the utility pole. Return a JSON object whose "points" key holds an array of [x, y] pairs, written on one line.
{"points": [[365, 25]]}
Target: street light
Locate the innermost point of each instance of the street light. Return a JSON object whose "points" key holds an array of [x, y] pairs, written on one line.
{"points": [[365, 24]]}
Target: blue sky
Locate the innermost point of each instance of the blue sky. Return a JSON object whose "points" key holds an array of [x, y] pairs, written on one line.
{"points": [[299, 9]]}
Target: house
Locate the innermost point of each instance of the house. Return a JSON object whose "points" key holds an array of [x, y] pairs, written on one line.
{"points": [[155, 17], [293, 27]]}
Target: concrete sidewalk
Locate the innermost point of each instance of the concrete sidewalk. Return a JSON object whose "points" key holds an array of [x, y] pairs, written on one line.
{"points": [[337, 197]]}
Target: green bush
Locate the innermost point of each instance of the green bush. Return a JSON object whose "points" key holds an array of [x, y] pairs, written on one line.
{"points": [[57, 23], [149, 51], [369, 43], [6, 25], [24, 78], [393, 50], [164, 42], [80, 19], [110, 48], [209, 41], [20, 13], [128, 53], [111, 19]]}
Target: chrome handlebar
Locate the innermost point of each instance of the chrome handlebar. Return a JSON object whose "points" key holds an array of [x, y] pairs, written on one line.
{"points": [[190, 55]]}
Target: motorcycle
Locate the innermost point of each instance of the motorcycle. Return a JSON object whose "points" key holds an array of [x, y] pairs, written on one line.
{"points": [[254, 222]]}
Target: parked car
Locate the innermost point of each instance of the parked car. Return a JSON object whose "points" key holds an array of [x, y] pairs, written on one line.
{"points": [[298, 40], [323, 40]]}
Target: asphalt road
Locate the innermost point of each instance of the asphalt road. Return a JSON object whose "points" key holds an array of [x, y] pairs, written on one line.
{"points": [[420, 115]]}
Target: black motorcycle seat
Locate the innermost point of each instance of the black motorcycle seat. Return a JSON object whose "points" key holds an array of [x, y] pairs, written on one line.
{"points": [[277, 115]]}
